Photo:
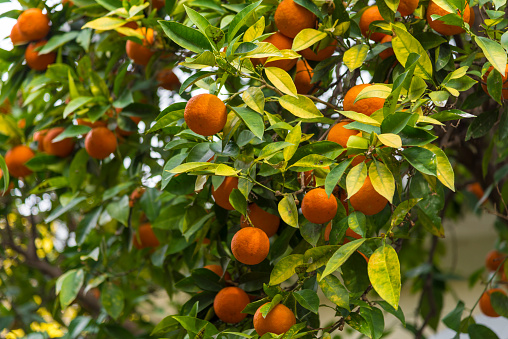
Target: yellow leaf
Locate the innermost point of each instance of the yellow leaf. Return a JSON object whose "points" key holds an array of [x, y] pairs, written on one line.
{"points": [[360, 117], [382, 180], [355, 179], [390, 140], [105, 23], [306, 38], [255, 30], [300, 106], [281, 80]]}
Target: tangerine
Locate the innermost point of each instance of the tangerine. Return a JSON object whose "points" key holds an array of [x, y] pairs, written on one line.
{"points": [[217, 269], [387, 52], [317, 207], [33, 24], [229, 304], [291, 18], [39, 138], [16, 159], [279, 320], [494, 259], [303, 77], [16, 37], [221, 194], [340, 134], [407, 7], [486, 305], [205, 114], [280, 41], [136, 195], [261, 219], [168, 80], [250, 245], [439, 26], [321, 54], [367, 200], [370, 15], [100, 143], [147, 238], [36, 61], [60, 148], [366, 106], [141, 54]]}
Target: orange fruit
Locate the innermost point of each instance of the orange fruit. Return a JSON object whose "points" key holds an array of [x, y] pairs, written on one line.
{"points": [[147, 237], [291, 18], [205, 114], [168, 80], [349, 233], [127, 133], [39, 138], [367, 200], [100, 143], [317, 207], [158, 4], [438, 25], [141, 54], [340, 134], [261, 219], [217, 269], [136, 195], [250, 245], [21, 123], [280, 41], [472, 17], [303, 77], [38, 62], [279, 320], [407, 7], [16, 158], [85, 122], [33, 24], [16, 37], [60, 148], [366, 106], [229, 304], [494, 259], [504, 79], [321, 54], [389, 51], [370, 15], [221, 194], [486, 305]]}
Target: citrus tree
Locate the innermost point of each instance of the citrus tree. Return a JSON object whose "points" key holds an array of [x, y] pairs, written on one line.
{"points": [[256, 162]]}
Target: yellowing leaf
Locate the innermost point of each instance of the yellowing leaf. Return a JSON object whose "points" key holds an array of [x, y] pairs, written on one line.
{"points": [[281, 80], [403, 44], [285, 268], [355, 179], [374, 91], [255, 30], [300, 106], [255, 99], [390, 140], [104, 23], [444, 168], [306, 38], [429, 120], [355, 56], [286, 55], [360, 117], [288, 211], [382, 180], [264, 50], [384, 274]]}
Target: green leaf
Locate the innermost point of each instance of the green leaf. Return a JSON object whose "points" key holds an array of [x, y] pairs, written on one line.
{"points": [[482, 124], [288, 211], [5, 173], [311, 161], [499, 302], [186, 37], [294, 137], [272, 148], [422, 159], [319, 256], [255, 31], [285, 268], [190, 81], [86, 224], [452, 319], [237, 200], [335, 175], [68, 286], [300, 106], [382, 180], [241, 19], [335, 292], [306, 38], [166, 325], [401, 211], [255, 99], [396, 312], [200, 21], [112, 299], [75, 104], [252, 119], [340, 256], [119, 209], [72, 131], [494, 53], [63, 209], [403, 44], [308, 299], [50, 184], [57, 41], [384, 274], [281, 80], [355, 179], [444, 168], [477, 331], [355, 56], [77, 169]]}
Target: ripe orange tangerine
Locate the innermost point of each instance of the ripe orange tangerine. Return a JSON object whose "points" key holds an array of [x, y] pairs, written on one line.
{"points": [[367, 200], [504, 79], [261, 219], [60, 148], [366, 106], [407, 7], [33, 24], [221, 194], [317, 207], [370, 15], [217, 269], [229, 304], [16, 37], [387, 52], [321, 54], [16, 159], [141, 54], [494, 259], [279, 320], [439, 26], [100, 143], [340, 134], [250, 245], [291, 18], [303, 77], [205, 114], [147, 238], [168, 80], [486, 305], [36, 61]]}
